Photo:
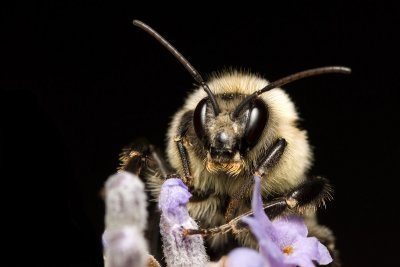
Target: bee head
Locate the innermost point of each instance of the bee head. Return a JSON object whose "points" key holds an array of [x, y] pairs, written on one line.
{"points": [[230, 129], [229, 125]]}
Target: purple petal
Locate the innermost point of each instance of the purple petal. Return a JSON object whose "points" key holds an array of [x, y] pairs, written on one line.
{"points": [[258, 209], [301, 260], [308, 249], [263, 229], [245, 257], [292, 223], [324, 257], [260, 224], [268, 249], [288, 230]]}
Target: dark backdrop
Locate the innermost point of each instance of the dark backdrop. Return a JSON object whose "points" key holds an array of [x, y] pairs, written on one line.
{"points": [[79, 82]]}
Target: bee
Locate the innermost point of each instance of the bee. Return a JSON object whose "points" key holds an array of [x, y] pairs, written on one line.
{"points": [[232, 127]]}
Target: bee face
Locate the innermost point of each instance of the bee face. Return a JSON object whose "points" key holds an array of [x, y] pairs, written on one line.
{"points": [[226, 138]]}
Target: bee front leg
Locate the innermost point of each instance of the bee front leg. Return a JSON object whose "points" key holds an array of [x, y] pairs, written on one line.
{"points": [[139, 155], [180, 143], [144, 160], [265, 162]]}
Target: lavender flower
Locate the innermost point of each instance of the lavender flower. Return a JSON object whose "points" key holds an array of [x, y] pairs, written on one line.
{"points": [[125, 220], [284, 242], [179, 250], [126, 201], [125, 247]]}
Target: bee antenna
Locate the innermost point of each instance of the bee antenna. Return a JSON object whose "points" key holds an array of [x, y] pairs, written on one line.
{"points": [[289, 79], [196, 75]]}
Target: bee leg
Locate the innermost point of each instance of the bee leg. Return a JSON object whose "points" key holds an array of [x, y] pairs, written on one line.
{"points": [[312, 193], [139, 155], [184, 158], [265, 162], [271, 157], [144, 160], [181, 144]]}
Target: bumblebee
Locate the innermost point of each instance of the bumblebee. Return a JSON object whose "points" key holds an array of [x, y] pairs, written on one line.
{"points": [[230, 128]]}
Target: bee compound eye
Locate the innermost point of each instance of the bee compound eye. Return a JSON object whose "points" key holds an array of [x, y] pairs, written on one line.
{"points": [[256, 122], [199, 119]]}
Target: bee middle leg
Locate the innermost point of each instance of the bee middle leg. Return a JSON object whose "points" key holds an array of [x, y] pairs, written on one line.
{"points": [[312, 193]]}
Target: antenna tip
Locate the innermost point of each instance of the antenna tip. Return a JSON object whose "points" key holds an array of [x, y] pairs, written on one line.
{"points": [[137, 22], [344, 70]]}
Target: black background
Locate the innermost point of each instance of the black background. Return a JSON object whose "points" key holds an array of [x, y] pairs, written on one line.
{"points": [[79, 82]]}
